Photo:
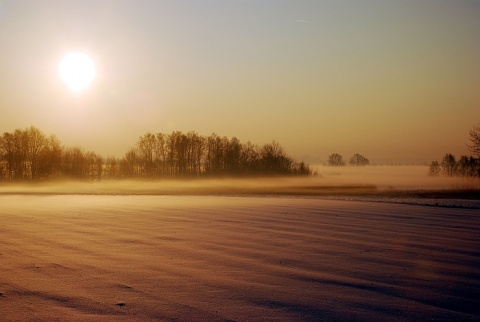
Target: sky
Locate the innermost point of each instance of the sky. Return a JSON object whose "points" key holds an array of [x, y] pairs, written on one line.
{"points": [[396, 81]]}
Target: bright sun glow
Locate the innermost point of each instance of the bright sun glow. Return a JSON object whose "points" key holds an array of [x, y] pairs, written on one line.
{"points": [[77, 71]]}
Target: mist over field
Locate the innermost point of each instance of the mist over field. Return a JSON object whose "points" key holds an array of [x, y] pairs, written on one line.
{"points": [[394, 177], [327, 181]]}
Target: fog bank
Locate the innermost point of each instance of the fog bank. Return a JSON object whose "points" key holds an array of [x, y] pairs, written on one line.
{"points": [[330, 180]]}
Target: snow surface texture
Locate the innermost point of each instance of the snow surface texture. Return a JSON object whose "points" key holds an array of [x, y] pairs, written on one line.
{"points": [[194, 258]]}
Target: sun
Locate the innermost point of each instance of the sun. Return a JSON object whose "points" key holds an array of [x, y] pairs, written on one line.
{"points": [[77, 70]]}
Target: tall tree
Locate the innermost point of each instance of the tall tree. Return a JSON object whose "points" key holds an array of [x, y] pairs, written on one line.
{"points": [[449, 164], [36, 142], [130, 164], [475, 139], [274, 159], [51, 158], [112, 168], [146, 147], [161, 154], [7, 150]]}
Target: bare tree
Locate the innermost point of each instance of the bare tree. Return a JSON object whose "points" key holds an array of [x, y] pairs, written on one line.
{"points": [[434, 168], [250, 156], [274, 159], [335, 159], [7, 150], [30, 155], [449, 164], [475, 139], [161, 153], [467, 166], [112, 168], [20, 155], [358, 160], [51, 158], [35, 143], [146, 147], [131, 164]]}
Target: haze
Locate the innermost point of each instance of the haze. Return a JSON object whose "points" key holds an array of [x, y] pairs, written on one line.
{"points": [[396, 81], [333, 181]]}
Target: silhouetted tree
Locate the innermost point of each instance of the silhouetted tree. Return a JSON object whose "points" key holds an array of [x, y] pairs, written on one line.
{"points": [[274, 159], [197, 144], [301, 169], [35, 144], [475, 139], [467, 166], [146, 148], [358, 160], [29, 155], [449, 164], [250, 159], [233, 156], [335, 159], [73, 163], [51, 158], [130, 165], [93, 166], [161, 154], [214, 155], [434, 168], [112, 168], [20, 155], [8, 150]]}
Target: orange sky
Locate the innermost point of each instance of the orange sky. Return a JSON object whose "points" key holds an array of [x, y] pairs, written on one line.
{"points": [[397, 81]]}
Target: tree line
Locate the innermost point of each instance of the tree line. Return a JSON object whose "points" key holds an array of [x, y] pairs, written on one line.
{"points": [[31, 155], [465, 166], [336, 159]]}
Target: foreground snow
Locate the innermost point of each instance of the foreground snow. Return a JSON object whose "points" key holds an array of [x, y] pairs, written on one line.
{"points": [[150, 258]]}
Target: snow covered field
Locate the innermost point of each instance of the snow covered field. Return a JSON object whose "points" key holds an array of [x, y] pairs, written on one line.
{"points": [[150, 258]]}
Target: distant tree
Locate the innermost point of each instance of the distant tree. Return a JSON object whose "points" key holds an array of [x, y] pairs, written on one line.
{"points": [[302, 169], [449, 164], [358, 160], [467, 166], [335, 159], [475, 139], [434, 168]]}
